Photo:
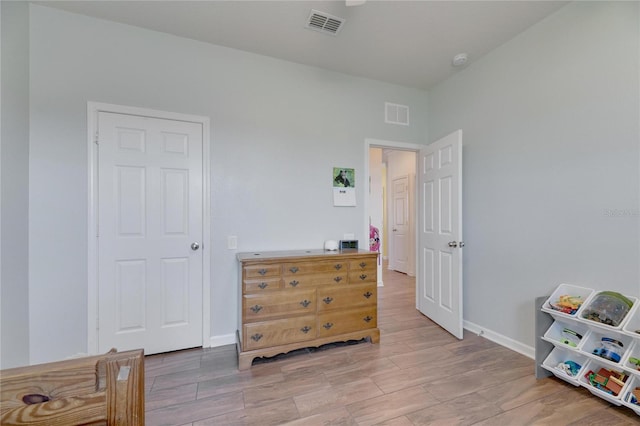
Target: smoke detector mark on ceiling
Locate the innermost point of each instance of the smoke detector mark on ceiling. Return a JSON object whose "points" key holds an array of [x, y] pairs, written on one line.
{"points": [[460, 60], [324, 23]]}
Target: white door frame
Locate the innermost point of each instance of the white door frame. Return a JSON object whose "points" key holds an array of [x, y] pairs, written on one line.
{"points": [[93, 108], [398, 146]]}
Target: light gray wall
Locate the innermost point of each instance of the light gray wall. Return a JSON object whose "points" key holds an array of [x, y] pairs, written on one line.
{"points": [[277, 130], [14, 190], [551, 162]]}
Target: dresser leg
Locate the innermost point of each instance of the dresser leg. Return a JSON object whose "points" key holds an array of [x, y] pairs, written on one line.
{"points": [[375, 336], [244, 361]]}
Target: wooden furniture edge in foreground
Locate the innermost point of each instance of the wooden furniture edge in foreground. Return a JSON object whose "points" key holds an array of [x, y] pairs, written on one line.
{"points": [[102, 389], [245, 359]]}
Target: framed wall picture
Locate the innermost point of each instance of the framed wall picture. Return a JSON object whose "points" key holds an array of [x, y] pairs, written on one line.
{"points": [[344, 187]]}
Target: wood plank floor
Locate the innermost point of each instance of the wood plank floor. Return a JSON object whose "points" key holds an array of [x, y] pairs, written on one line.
{"points": [[417, 375]]}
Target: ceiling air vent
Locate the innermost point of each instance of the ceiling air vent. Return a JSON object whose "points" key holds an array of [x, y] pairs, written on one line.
{"points": [[323, 22]]}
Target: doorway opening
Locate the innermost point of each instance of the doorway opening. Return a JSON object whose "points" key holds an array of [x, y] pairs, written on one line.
{"points": [[390, 205], [399, 216]]}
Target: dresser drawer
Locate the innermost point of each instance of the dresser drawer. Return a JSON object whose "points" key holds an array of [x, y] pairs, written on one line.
{"points": [[364, 265], [333, 323], [356, 277], [346, 296], [257, 271], [302, 281], [303, 268], [279, 332], [263, 284], [259, 306]]}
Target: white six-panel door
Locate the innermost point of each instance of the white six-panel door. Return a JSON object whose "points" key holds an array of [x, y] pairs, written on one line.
{"points": [[150, 230], [400, 226], [439, 290]]}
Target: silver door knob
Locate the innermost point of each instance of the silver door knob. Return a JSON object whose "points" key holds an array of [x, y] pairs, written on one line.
{"points": [[195, 246], [453, 244], [461, 244]]}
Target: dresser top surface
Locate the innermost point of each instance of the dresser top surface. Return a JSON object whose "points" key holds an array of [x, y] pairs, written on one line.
{"points": [[300, 254]]}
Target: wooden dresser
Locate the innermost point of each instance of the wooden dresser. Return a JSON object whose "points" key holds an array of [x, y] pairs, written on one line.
{"points": [[296, 299]]}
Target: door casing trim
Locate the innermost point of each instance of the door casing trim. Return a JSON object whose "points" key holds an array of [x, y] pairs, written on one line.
{"points": [[93, 109]]}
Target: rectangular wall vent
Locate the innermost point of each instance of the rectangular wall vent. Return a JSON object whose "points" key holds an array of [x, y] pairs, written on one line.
{"points": [[323, 22], [396, 114]]}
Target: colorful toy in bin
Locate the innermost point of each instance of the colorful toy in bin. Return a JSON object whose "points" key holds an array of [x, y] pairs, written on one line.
{"points": [[633, 396], [608, 307], [635, 362], [570, 337], [610, 349], [567, 304], [609, 381], [571, 368]]}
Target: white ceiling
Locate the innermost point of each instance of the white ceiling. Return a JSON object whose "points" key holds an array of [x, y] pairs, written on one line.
{"points": [[410, 43]]}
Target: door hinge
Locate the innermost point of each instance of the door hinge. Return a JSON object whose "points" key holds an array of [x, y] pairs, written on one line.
{"points": [[96, 139]]}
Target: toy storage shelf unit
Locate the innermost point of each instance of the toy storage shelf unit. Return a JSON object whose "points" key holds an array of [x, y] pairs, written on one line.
{"points": [[595, 345]]}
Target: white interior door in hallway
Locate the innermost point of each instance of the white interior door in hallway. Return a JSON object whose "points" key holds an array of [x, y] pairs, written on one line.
{"points": [[399, 260], [440, 235], [150, 233]]}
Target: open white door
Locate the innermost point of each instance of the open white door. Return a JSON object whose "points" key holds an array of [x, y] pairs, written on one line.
{"points": [[439, 292]]}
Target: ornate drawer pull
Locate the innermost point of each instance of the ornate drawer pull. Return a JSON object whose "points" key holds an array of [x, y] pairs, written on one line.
{"points": [[294, 269], [305, 303], [338, 266], [305, 329], [294, 283], [256, 309], [256, 337], [328, 325], [337, 279], [367, 318], [327, 300], [363, 276], [368, 294], [363, 264], [262, 271], [263, 285]]}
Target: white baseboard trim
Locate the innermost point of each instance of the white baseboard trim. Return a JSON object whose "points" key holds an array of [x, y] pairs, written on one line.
{"points": [[507, 342], [223, 340]]}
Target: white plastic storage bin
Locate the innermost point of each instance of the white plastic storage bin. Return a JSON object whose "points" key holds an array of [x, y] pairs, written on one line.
{"points": [[632, 326], [595, 366], [627, 396], [611, 353], [620, 319], [631, 360], [557, 335], [566, 290], [560, 356]]}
